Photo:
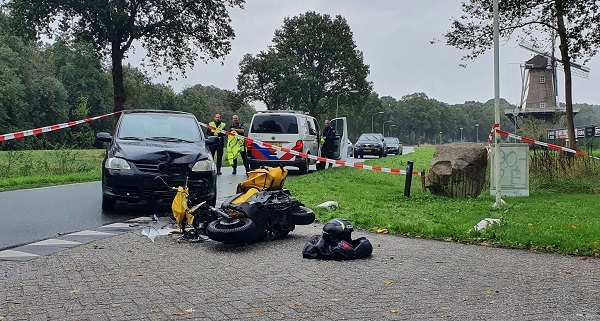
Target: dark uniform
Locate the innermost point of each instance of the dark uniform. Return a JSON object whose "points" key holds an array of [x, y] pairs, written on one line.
{"points": [[328, 145]]}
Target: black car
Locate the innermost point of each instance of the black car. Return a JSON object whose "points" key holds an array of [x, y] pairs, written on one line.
{"points": [[370, 144], [393, 145], [152, 151]]}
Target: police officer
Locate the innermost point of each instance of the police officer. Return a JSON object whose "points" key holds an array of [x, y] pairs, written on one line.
{"points": [[219, 125], [237, 145], [328, 139]]}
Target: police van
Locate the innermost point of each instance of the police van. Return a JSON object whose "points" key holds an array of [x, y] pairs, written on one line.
{"points": [[294, 130]]}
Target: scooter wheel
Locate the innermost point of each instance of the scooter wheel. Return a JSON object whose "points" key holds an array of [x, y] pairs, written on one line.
{"points": [[234, 232], [303, 216]]}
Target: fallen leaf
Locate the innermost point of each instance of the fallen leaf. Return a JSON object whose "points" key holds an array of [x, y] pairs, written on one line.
{"points": [[492, 302], [258, 311], [529, 225], [178, 313], [582, 258], [1, 318], [190, 310], [394, 311], [382, 231], [445, 308], [229, 269], [140, 274], [386, 282], [595, 291], [154, 310], [568, 272], [68, 269], [115, 305], [132, 275], [297, 304], [488, 292], [74, 291]]}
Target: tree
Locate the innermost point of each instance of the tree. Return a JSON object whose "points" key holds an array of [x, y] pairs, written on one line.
{"points": [[313, 58], [175, 34], [574, 22]]}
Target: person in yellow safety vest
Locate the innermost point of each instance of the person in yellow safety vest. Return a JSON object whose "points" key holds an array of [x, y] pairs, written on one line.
{"points": [[236, 146], [219, 125]]}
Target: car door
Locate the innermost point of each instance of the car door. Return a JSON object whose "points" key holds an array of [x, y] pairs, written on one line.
{"points": [[340, 146]]}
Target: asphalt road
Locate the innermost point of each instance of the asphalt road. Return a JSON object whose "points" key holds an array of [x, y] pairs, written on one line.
{"points": [[36, 214]]}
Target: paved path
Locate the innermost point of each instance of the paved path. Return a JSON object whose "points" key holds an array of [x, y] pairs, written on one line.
{"points": [[129, 277]]}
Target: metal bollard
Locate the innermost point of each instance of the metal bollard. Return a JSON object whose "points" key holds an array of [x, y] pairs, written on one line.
{"points": [[409, 170]]}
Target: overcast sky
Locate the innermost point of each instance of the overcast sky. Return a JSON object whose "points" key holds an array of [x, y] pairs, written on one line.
{"points": [[394, 36]]}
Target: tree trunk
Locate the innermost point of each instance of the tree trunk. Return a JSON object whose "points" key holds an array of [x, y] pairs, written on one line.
{"points": [[117, 76], [566, 61]]}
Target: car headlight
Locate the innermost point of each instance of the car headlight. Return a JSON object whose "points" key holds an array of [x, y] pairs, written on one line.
{"points": [[204, 166], [116, 163]]}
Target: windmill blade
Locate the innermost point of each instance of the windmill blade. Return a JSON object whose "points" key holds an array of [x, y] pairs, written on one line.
{"points": [[576, 70], [531, 47]]}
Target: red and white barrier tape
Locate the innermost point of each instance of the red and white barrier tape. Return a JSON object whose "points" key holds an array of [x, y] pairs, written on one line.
{"points": [[492, 133], [321, 159], [47, 129], [552, 146]]}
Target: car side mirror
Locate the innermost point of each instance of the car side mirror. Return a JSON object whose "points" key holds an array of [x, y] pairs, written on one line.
{"points": [[104, 137], [212, 140]]}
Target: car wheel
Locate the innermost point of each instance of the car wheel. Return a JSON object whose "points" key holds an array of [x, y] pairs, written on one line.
{"points": [[213, 201], [108, 204], [304, 167], [231, 232]]}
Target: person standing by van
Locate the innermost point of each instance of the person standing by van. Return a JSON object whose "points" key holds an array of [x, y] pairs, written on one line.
{"points": [[236, 145], [328, 141], [219, 125]]}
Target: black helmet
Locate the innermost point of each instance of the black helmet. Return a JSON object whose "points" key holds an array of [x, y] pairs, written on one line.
{"points": [[338, 229]]}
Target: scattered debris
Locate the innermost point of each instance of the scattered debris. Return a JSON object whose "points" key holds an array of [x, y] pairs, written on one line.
{"points": [[330, 205], [485, 223], [152, 232]]}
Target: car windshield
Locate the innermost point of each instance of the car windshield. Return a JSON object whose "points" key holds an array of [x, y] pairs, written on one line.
{"points": [[392, 140], [367, 137], [168, 127], [275, 124]]}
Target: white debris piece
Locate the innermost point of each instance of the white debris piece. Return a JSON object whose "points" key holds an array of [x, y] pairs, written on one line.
{"points": [[152, 232], [483, 224], [331, 205]]}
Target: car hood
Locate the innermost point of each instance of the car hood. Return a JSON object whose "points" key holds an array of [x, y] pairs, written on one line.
{"points": [[155, 151]]}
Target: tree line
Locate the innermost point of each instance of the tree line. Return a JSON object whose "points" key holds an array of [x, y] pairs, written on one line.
{"points": [[313, 65]]}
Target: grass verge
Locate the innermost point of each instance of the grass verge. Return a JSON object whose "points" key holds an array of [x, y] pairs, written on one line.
{"points": [[547, 220]]}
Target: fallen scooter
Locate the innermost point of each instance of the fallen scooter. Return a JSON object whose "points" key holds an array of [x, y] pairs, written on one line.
{"points": [[261, 207]]}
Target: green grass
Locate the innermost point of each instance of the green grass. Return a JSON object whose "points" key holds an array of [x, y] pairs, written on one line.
{"points": [[564, 221], [27, 169], [560, 215]]}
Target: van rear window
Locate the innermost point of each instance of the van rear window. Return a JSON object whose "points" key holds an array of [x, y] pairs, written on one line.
{"points": [[274, 124]]}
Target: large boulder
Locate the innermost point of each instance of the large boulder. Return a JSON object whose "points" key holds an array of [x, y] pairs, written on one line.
{"points": [[458, 170]]}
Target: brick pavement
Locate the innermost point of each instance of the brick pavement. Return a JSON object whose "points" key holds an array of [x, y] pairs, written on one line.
{"points": [[129, 277]]}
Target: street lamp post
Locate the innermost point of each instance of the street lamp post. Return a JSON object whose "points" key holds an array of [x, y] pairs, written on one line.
{"points": [[461, 134], [383, 126], [477, 133], [390, 128], [372, 116], [440, 138], [337, 99]]}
